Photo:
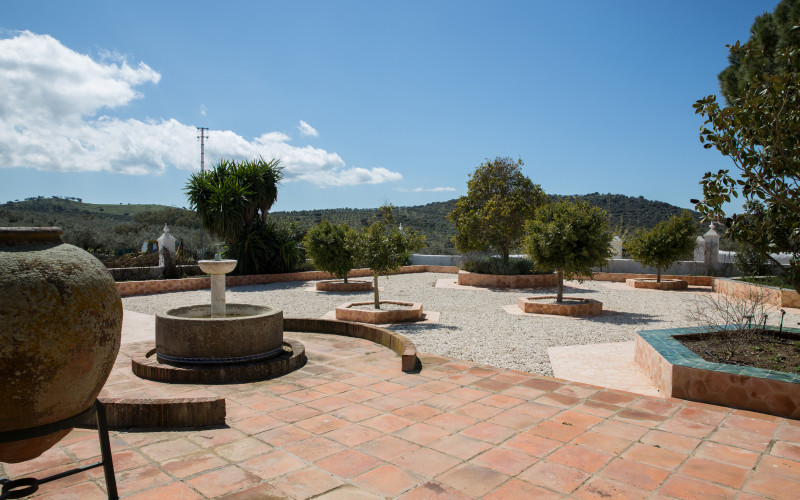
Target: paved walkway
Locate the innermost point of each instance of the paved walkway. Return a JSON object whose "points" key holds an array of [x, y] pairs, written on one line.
{"points": [[351, 425]]}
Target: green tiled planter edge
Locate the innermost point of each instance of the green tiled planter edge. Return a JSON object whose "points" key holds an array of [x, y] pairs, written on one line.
{"points": [[676, 358]]}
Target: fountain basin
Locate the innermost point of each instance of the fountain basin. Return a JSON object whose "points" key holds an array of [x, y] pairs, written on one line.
{"points": [[213, 267], [192, 336]]}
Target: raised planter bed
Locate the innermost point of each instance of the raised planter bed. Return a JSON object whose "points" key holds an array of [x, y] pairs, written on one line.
{"points": [[341, 286], [779, 297], [678, 372], [572, 306], [657, 285], [349, 312], [507, 281]]}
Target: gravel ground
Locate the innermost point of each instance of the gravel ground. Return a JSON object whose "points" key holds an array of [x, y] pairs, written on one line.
{"points": [[473, 325]]}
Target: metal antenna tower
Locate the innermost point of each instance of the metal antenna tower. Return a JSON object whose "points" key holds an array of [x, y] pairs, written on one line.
{"points": [[203, 136]]}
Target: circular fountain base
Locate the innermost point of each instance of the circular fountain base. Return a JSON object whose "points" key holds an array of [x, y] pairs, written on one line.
{"points": [[145, 364]]}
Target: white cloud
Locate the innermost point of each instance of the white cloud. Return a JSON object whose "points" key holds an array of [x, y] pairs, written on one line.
{"points": [[203, 109], [51, 118], [307, 129], [426, 190]]}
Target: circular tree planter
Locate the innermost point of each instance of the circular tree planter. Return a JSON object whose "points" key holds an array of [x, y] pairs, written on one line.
{"points": [[350, 312], [572, 306], [657, 285], [341, 286]]}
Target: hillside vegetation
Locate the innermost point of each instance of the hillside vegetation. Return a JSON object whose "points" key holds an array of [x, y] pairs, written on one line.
{"points": [[123, 228]]}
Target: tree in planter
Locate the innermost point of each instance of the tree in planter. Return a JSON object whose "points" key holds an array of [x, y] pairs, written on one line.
{"points": [[331, 247], [666, 243], [760, 132], [491, 217], [569, 237], [233, 200], [383, 247]]}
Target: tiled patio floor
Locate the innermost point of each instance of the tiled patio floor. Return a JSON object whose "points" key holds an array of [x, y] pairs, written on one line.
{"points": [[351, 425]]}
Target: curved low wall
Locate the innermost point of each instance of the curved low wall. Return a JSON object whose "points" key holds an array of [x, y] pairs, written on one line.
{"points": [[394, 341], [507, 281]]}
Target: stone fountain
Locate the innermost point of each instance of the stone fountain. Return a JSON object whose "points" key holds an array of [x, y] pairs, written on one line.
{"points": [[220, 342]]}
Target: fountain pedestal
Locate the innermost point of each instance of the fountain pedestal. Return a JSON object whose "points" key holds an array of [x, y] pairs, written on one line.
{"points": [[217, 269]]}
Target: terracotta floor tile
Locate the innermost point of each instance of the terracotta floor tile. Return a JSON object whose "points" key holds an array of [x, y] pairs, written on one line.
{"points": [[472, 479], [451, 422], [599, 488], [386, 387], [81, 491], [388, 480], [387, 447], [304, 395], [329, 403], [616, 398], [554, 476], [514, 420], [314, 448], [295, 413], [634, 473], [259, 423], [333, 388], [595, 408], [754, 425], [468, 393], [438, 386], [786, 449], [386, 403], [306, 483], [460, 378], [348, 463], [322, 423], [444, 402], [689, 488], [353, 435], [701, 416], [422, 434], [190, 465], [491, 433], [387, 423], [779, 467], [515, 489], [671, 441], [571, 417], [177, 491], [579, 391], [460, 446], [716, 472], [727, 454], [620, 429], [638, 417], [271, 465], [414, 394], [208, 438], [418, 412], [166, 450], [280, 436], [491, 385], [558, 400], [53, 457], [140, 478], [773, 487], [522, 392], [542, 383], [656, 406], [656, 457], [426, 462], [504, 461], [537, 410], [500, 401], [740, 439], [478, 411], [557, 430], [242, 449], [261, 491], [270, 404], [355, 413], [605, 443], [531, 444], [433, 490], [580, 458]]}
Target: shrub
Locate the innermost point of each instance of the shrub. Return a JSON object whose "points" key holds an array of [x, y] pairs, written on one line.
{"points": [[331, 247]]}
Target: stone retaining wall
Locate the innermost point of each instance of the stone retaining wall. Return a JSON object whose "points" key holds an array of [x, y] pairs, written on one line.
{"points": [[507, 281]]}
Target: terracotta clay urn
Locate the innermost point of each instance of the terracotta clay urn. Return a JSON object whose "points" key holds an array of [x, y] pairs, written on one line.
{"points": [[60, 328]]}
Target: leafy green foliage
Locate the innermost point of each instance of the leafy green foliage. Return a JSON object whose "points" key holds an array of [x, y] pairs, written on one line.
{"points": [[332, 248], [233, 200], [569, 237], [760, 133], [488, 264], [384, 247], [500, 198], [772, 32], [665, 244]]}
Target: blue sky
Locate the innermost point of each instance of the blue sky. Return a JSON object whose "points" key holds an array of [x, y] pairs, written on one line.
{"points": [[364, 102]]}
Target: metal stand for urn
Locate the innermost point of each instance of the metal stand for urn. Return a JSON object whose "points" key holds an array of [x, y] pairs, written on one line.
{"points": [[19, 488]]}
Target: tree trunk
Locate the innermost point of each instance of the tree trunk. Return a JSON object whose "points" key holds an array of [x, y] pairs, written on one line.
{"points": [[560, 287], [658, 276], [375, 288], [505, 254], [345, 279]]}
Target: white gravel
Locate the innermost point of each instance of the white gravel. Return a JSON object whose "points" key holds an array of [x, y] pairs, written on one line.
{"points": [[473, 325]]}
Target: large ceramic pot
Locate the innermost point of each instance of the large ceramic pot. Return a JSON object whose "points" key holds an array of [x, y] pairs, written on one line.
{"points": [[60, 328]]}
